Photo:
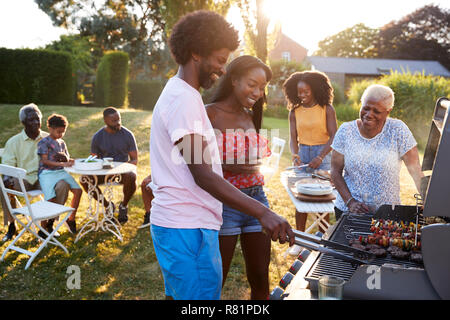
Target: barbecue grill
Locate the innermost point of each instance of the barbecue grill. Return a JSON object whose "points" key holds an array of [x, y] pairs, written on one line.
{"points": [[390, 278]]}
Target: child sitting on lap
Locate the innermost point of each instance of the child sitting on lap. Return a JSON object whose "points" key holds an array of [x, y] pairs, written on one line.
{"points": [[54, 156]]}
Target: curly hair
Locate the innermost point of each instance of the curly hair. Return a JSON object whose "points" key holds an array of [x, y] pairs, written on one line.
{"points": [[57, 121], [318, 81], [236, 69], [201, 32]]}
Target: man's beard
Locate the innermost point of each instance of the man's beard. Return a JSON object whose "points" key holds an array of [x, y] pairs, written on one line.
{"points": [[207, 78], [114, 128]]}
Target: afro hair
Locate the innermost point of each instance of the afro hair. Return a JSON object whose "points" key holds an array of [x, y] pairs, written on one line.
{"points": [[201, 32], [320, 86]]}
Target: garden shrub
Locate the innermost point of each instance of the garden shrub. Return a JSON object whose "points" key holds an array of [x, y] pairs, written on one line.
{"points": [[346, 112], [143, 94], [111, 81], [38, 76], [339, 94]]}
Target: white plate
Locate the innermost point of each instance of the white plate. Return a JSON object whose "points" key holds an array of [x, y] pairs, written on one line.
{"points": [[88, 166], [313, 189]]}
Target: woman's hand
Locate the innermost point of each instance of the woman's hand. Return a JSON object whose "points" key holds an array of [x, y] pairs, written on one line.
{"points": [[355, 206], [296, 161], [316, 162]]}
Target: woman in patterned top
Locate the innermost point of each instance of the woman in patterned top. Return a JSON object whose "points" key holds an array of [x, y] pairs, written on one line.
{"points": [[369, 151], [236, 115]]}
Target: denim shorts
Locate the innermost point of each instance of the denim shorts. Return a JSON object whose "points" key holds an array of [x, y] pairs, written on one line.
{"points": [[190, 262], [236, 222], [308, 153]]}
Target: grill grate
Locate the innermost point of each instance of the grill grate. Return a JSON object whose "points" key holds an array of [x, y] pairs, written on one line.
{"points": [[328, 265]]}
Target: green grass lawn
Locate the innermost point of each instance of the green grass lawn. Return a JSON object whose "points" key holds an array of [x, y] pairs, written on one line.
{"points": [[111, 269]]}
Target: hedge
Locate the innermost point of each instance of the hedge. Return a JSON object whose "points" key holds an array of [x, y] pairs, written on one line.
{"points": [[39, 76], [111, 80], [143, 94]]}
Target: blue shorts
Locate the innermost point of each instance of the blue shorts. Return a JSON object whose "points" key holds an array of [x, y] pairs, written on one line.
{"points": [[49, 178], [190, 262], [308, 153], [236, 222]]}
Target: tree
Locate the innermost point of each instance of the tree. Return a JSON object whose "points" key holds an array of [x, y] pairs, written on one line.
{"points": [[172, 10], [256, 23], [354, 42], [85, 56], [114, 25], [422, 35], [138, 27], [83, 52], [282, 69]]}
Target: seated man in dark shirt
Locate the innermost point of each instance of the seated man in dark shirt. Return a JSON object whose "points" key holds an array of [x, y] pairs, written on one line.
{"points": [[117, 142]]}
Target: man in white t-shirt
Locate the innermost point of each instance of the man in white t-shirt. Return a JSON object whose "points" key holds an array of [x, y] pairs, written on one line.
{"points": [[187, 180]]}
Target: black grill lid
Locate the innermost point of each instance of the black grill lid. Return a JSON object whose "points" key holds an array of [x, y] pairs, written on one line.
{"points": [[437, 158]]}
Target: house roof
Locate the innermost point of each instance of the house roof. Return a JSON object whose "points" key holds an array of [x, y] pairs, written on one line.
{"points": [[376, 66]]}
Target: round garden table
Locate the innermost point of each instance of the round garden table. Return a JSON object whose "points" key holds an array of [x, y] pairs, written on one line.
{"points": [[97, 215]]}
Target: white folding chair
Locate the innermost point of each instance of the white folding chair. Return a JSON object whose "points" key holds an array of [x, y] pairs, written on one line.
{"points": [[33, 214], [270, 164]]}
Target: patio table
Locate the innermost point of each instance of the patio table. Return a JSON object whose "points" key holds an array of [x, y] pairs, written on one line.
{"points": [[97, 215]]}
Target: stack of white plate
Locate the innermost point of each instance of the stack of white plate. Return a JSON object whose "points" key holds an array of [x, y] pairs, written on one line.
{"points": [[314, 189], [95, 164]]}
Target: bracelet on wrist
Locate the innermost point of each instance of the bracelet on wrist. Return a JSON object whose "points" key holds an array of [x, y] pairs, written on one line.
{"points": [[348, 201], [321, 159]]}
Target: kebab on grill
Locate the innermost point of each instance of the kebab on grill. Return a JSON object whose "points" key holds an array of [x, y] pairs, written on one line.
{"points": [[397, 238]]}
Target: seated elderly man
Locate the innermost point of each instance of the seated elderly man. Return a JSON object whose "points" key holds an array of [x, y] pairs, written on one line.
{"points": [[21, 151], [370, 150], [117, 142]]}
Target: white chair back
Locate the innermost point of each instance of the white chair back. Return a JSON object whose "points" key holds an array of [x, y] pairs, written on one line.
{"points": [[43, 210], [270, 166], [1, 151], [20, 174]]}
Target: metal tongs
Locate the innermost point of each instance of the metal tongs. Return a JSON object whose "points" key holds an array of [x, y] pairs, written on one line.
{"points": [[316, 175], [296, 167], [316, 243]]}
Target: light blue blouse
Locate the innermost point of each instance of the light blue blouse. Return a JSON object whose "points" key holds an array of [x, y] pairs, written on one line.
{"points": [[372, 166]]}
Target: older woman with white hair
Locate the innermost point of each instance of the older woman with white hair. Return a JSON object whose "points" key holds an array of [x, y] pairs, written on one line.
{"points": [[367, 155]]}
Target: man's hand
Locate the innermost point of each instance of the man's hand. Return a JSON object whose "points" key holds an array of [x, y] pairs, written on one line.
{"points": [[146, 181], [277, 228]]}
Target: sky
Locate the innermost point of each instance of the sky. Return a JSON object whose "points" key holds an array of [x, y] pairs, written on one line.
{"points": [[23, 25]]}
